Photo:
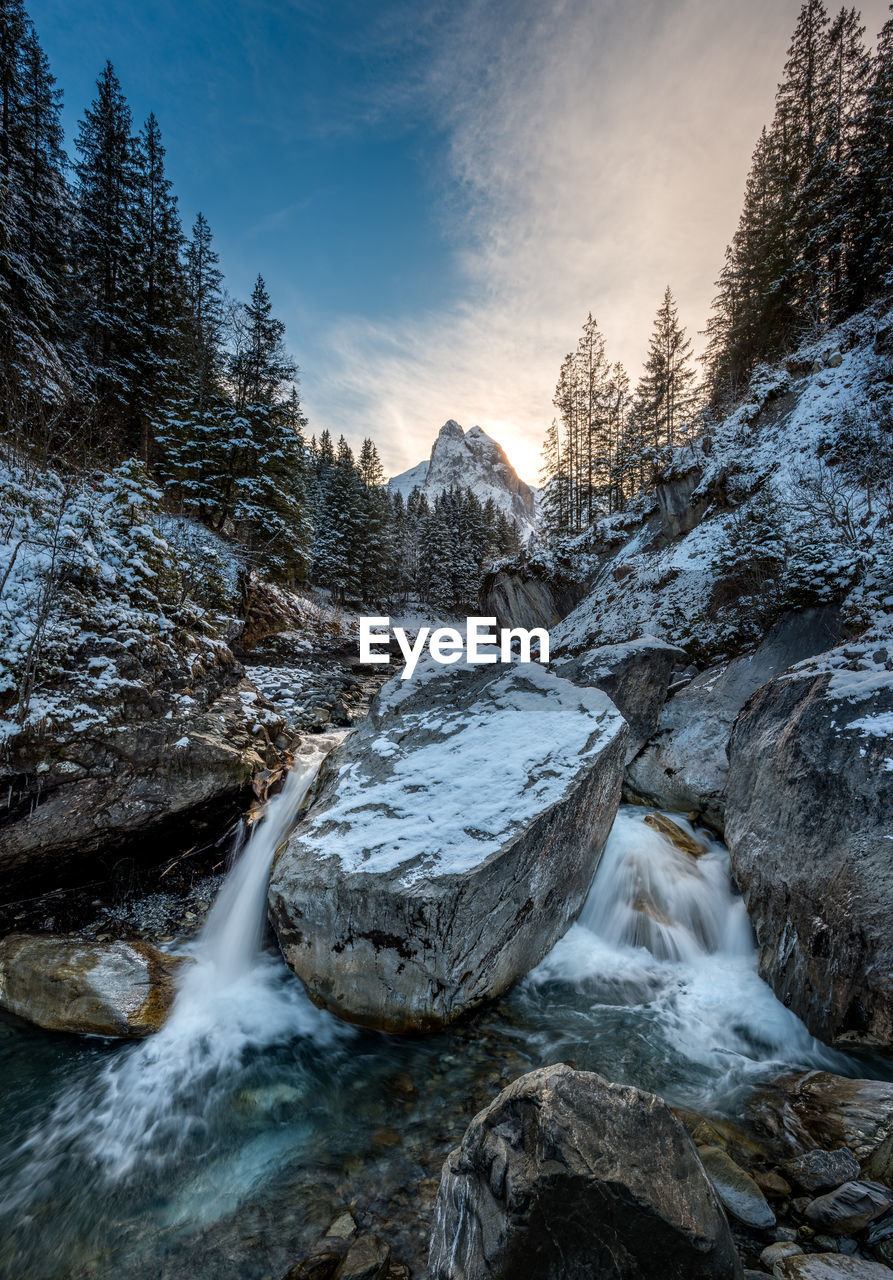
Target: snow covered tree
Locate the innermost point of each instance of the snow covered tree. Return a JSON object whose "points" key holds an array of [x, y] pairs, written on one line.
{"points": [[204, 313], [105, 265], [35, 220], [259, 364], [338, 538]]}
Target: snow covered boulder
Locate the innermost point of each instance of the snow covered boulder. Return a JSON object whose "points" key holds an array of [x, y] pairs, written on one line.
{"points": [[810, 828], [685, 765], [635, 676], [453, 840]]}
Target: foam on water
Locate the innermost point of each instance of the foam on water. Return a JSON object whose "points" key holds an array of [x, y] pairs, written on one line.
{"points": [[157, 1101], [663, 954], [249, 1090]]}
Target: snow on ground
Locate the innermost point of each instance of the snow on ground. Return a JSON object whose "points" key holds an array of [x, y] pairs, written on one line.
{"points": [[779, 476]]}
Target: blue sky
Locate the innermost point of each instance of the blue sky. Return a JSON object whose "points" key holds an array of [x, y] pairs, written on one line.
{"points": [[437, 193]]}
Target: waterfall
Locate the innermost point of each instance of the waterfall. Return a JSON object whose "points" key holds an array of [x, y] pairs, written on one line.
{"points": [[676, 904], [230, 939], [658, 980], [156, 1102]]}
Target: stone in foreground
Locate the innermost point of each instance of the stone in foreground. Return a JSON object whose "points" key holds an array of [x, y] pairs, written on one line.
{"points": [[736, 1189], [567, 1177], [453, 841], [807, 1109], [829, 1266], [98, 989]]}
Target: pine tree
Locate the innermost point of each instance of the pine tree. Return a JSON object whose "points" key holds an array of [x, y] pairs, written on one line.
{"points": [[339, 531], [869, 265], [666, 392], [849, 67], [159, 303], [204, 304], [105, 255], [35, 217], [259, 364]]}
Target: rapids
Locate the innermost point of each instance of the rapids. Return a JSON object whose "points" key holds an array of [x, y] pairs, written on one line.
{"points": [[226, 1143]]}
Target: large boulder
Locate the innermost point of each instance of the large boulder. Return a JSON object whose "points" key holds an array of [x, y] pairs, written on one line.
{"points": [[635, 676], [685, 766], [98, 989], [168, 768], [567, 1177], [453, 840], [809, 824], [805, 1110]]}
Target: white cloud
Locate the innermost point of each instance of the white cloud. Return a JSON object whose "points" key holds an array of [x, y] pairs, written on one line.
{"points": [[598, 152]]}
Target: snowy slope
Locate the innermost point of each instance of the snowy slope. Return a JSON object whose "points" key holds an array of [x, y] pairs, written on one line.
{"points": [[472, 460], [784, 513]]}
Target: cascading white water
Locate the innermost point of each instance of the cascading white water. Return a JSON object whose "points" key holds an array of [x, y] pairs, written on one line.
{"points": [[155, 1100], [651, 893], [230, 939], [660, 974], [249, 1096]]}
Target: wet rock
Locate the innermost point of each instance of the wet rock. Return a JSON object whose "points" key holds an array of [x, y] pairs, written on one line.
{"points": [[806, 1109], [819, 1170], [452, 842], [91, 988], [828, 1266], [772, 1184], [319, 1266], [807, 826], [635, 676], [775, 1252], [368, 1258], [567, 1177], [675, 834], [881, 1229], [343, 1228], [850, 1208], [685, 765], [736, 1189]]}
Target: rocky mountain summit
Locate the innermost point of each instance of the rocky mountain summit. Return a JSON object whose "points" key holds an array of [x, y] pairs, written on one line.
{"points": [[472, 460]]}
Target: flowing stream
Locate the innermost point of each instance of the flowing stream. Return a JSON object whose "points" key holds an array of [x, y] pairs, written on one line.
{"points": [[226, 1143]]}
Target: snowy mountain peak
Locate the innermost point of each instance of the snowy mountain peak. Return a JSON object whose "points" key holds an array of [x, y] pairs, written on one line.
{"points": [[472, 460]]}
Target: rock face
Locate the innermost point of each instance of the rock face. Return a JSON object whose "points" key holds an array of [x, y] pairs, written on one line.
{"points": [[815, 1109], [453, 840], [635, 676], [472, 460], [685, 766], [808, 826], [518, 600], [76, 795], [567, 1177], [66, 984], [526, 594]]}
